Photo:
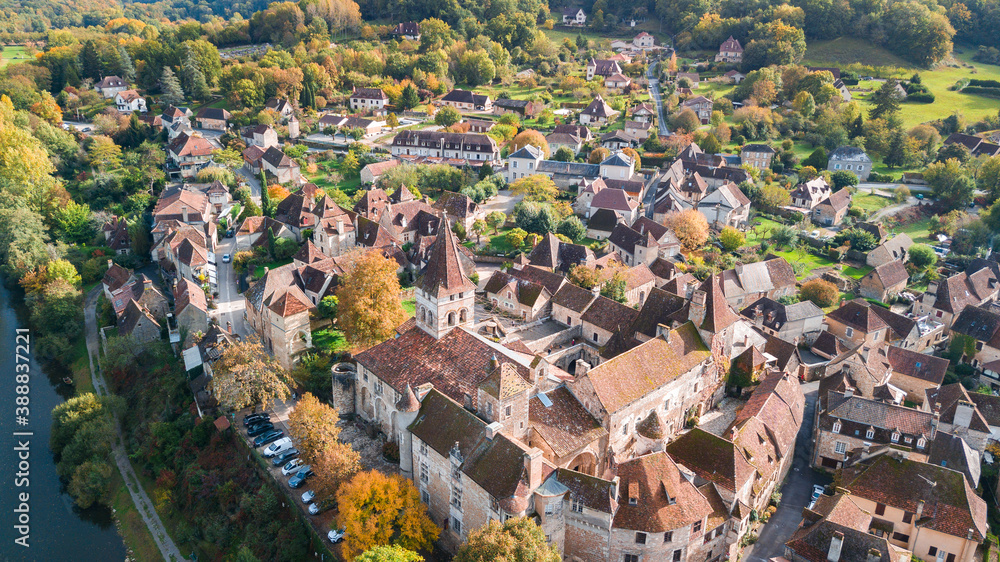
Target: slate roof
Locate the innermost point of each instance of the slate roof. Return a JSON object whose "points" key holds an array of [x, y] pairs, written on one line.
{"points": [[369, 94], [918, 365], [664, 500], [131, 317], [630, 376], [873, 413], [731, 45], [775, 315], [979, 323], [116, 277], [953, 452], [718, 314], [838, 200], [849, 153], [812, 543], [948, 397], [900, 325], [213, 113], [111, 82], [604, 67], [599, 109], [465, 96], [603, 220], [951, 506], [277, 158], [565, 425], [551, 281], [627, 239]]}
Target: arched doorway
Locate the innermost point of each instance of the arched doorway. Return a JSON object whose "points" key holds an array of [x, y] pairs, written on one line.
{"points": [[585, 462]]}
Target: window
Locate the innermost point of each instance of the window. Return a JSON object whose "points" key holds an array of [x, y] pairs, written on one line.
{"points": [[424, 496], [625, 429], [494, 505], [548, 509], [631, 558], [840, 448], [907, 517], [595, 336], [895, 437], [424, 472], [677, 555], [907, 440], [880, 509], [900, 537], [576, 506], [849, 332], [921, 442], [507, 411], [456, 524], [456, 497], [378, 387], [640, 538], [668, 536], [696, 527], [423, 448], [870, 434], [836, 426]]}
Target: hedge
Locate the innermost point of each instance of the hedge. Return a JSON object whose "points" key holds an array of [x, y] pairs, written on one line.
{"points": [[921, 97], [987, 92], [985, 83]]}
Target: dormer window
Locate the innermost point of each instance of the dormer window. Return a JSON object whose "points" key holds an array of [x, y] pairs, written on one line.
{"points": [[633, 501], [895, 437], [870, 434], [836, 426], [921, 442]]}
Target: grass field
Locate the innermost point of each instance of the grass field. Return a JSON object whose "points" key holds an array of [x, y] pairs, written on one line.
{"points": [[348, 186], [130, 523], [870, 203], [918, 231], [12, 55], [844, 51]]}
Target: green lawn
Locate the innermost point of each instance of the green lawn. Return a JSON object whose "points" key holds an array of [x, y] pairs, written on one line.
{"points": [[810, 262], [324, 169], [330, 339], [869, 202], [856, 272], [13, 54], [258, 271], [918, 231], [848, 50], [410, 306]]}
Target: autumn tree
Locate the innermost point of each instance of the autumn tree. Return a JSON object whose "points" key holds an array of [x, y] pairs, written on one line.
{"points": [[496, 219], [515, 237], [598, 155], [822, 293], [379, 509], [515, 540], [333, 466], [369, 308], [536, 187], [731, 238], [389, 553], [685, 120], [690, 227], [479, 227], [532, 137], [246, 375], [313, 424], [583, 276]]}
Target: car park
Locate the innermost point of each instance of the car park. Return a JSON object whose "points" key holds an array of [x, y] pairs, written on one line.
{"points": [[300, 477], [252, 419], [260, 429], [307, 496], [291, 466], [281, 458], [268, 437], [314, 508], [278, 447]]}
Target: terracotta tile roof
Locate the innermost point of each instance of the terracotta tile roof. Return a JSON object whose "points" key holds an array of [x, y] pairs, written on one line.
{"points": [[918, 365], [664, 500], [565, 425], [187, 293], [948, 396], [712, 458], [172, 203], [296, 210], [457, 205], [718, 314], [186, 145], [614, 199], [901, 325], [309, 253], [622, 380], [192, 254], [638, 276], [574, 298], [865, 413], [989, 406], [980, 324], [858, 316], [828, 344], [838, 200], [592, 492], [951, 506], [812, 543], [270, 291], [609, 315], [664, 269], [525, 292], [444, 274], [496, 465]]}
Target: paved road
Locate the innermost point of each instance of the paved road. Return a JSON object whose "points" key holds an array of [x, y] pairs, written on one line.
{"points": [[654, 93], [230, 302], [168, 549], [253, 181], [796, 491]]}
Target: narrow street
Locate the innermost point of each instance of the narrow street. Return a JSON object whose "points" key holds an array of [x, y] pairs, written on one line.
{"points": [[142, 502], [230, 303], [654, 94], [796, 491]]}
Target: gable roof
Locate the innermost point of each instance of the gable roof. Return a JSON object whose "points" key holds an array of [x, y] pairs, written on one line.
{"points": [[187, 293], [214, 113], [609, 315], [838, 200], [889, 274], [718, 314], [599, 109], [917, 365], [859, 316], [731, 45], [562, 422], [711, 458]]}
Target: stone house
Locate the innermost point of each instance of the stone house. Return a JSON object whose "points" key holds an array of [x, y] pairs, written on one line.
{"points": [[855, 322], [372, 172], [477, 148], [915, 372], [958, 414], [213, 118], [137, 322], [278, 165], [643, 40], [190, 306], [604, 68], [725, 206], [757, 155], [598, 113], [115, 278], [252, 229], [980, 324], [465, 100], [278, 311], [570, 302], [128, 101], [730, 51], [644, 113], [459, 208], [145, 293], [632, 246], [849, 425], [110, 85], [746, 283], [944, 300], [262, 136], [409, 30], [789, 322], [189, 154], [368, 99], [851, 159], [604, 318], [811, 193], [835, 529], [893, 249], [832, 210], [517, 297], [189, 206], [701, 106], [931, 510], [524, 108], [554, 255], [912, 332], [884, 282]]}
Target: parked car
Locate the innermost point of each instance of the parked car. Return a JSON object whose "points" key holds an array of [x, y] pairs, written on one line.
{"points": [[252, 419], [278, 447], [283, 458], [336, 535], [291, 467], [307, 497], [259, 429], [314, 508], [268, 437], [226, 258], [816, 493], [300, 477]]}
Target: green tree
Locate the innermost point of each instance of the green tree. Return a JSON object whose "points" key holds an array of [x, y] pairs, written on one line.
{"points": [[842, 178], [73, 223], [572, 228], [988, 179], [349, 166], [950, 184], [805, 104], [170, 87], [898, 153], [390, 553], [496, 219], [515, 237], [327, 307], [731, 239], [922, 256], [818, 159], [409, 98], [564, 154], [447, 116], [884, 101], [710, 144], [515, 540]]}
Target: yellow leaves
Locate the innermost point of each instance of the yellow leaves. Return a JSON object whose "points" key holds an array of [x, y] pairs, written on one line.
{"points": [[690, 227], [370, 308], [246, 375], [313, 424]]}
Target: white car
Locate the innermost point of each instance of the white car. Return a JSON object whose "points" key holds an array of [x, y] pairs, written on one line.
{"points": [[313, 509], [226, 258], [292, 466], [307, 497], [336, 535]]}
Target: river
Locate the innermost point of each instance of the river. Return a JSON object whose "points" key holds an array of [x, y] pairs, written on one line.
{"points": [[57, 529]]}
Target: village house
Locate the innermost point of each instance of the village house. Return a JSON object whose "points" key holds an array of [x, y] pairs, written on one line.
{"points": [[183, 204], [189, 154], [459, 208], [574, 16], [278, 311], [464, 100], [643, 40], [604, 68], [617, 140], [116, 235], [262, 136], [944, 300], [757, 155], [730, 51], [190, 306], [144, 292], [915, 372], [692, 77], [137, 322], [368, 99], [978, 146], [701, 106], [524, 108], [617, 82], [115, 278], [832, 210], [409, 30], [476, 148], [110, 85], [849, 425], [725, 206], [746, 283], [909, 331], [554, 255], [632, 246], [278, 165], [644, 113], [174, 120], [598, 113], [528, 160], [929, 510], [252, 229], [957, 413], [835, 529], [884, 282], [515, 297], [850, 159], [282, 107], [212, 118], [855, 322], [371, 173], [789, 322], [638, 129], [980, 324], [893, 249], [735, 76], [128, 101]]}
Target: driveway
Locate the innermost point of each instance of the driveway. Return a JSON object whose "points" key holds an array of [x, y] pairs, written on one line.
{"points": [[503, 202], [795, 492], [252, 181]]}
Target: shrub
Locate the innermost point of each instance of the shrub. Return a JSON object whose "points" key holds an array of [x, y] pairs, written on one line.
{"points": [[390, 451], [822, 293], [921, 97]]}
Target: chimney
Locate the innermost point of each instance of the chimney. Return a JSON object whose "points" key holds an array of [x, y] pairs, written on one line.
{"points": [[698, 298], [848, 392], [664, 331], [110, 263], [494, 363], [184, 212], [229, 326], [340, 225], [836, 543], [963, 413], [874, 555], [266, 269], [492, 430], [533, 467], [596, 290]]}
